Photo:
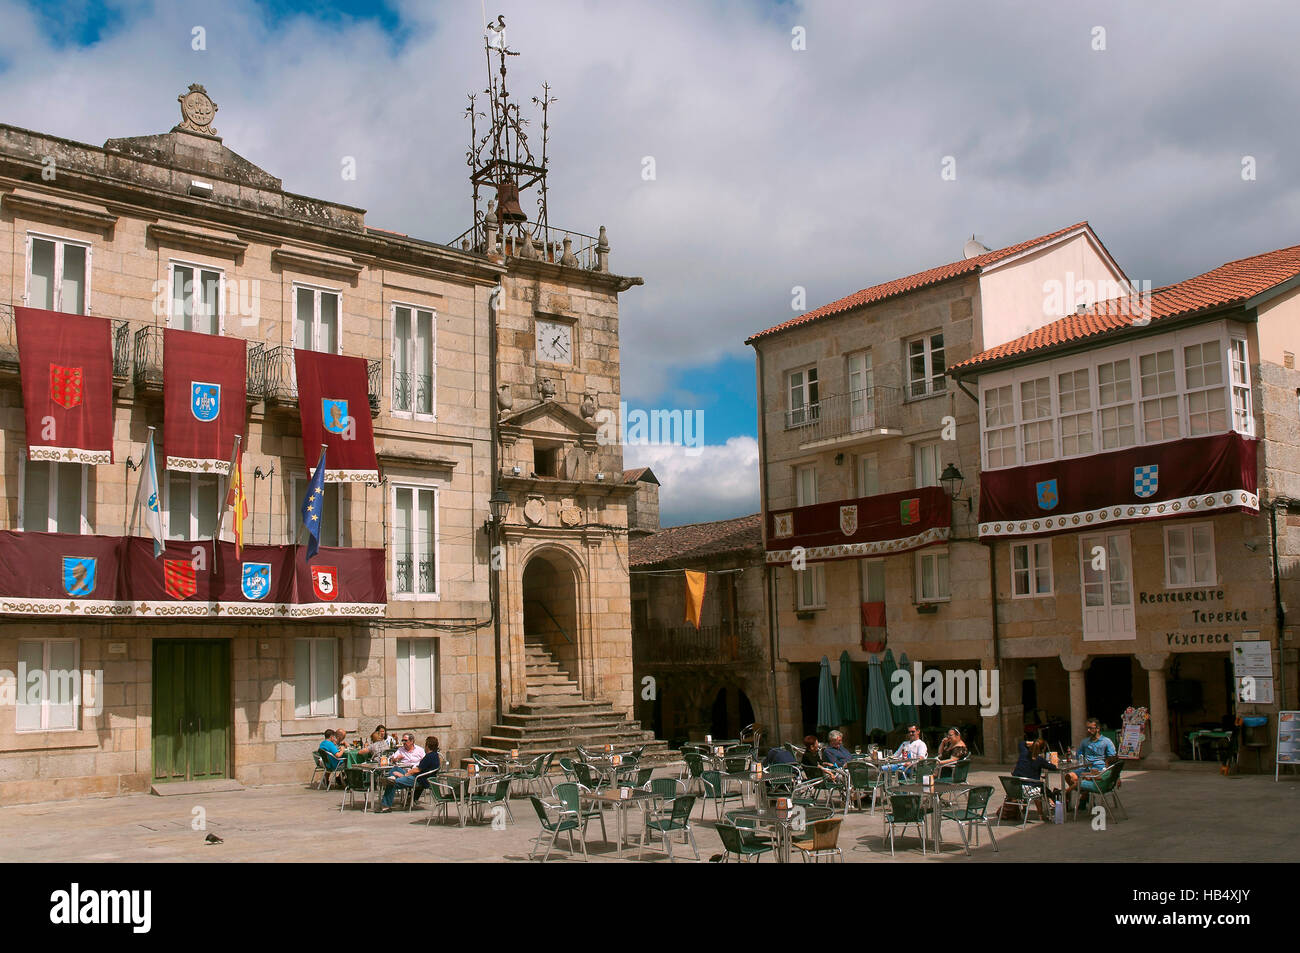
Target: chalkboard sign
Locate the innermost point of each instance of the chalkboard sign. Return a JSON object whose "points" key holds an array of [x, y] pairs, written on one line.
{"points": [[1288, 741], [1133, 733]]}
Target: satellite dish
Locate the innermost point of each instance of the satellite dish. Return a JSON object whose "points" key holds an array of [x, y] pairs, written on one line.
{"points": [[973, 249]]}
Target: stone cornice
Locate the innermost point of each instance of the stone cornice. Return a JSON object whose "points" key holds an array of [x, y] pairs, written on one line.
{"points": [[44, 207], [555, 488], [227, 245], [406, 457], [330, 266], [608, 281]]}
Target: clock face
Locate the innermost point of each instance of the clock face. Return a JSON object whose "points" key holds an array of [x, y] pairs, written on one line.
{"points": [[555, 342]]}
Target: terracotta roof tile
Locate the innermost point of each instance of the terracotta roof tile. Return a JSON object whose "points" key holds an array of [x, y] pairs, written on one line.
{"points": [[922, 279], [697, 540], [639, 473], [1229, 284]]}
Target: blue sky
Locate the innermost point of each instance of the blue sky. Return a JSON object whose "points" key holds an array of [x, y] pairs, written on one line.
{"points": [[774, 166]]}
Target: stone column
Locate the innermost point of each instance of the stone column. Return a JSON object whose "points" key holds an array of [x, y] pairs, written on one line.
{"points": [[995, 739], [1158, 754], [1075, 666]]}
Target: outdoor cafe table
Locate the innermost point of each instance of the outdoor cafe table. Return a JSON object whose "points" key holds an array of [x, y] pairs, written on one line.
{"points": [[1061, 770], [935, 798], [373, 769], [462, 784], [782, 822], [611, 798]]}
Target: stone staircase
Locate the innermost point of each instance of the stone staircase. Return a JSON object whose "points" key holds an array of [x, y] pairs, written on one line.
{"points": [[555, 717]]}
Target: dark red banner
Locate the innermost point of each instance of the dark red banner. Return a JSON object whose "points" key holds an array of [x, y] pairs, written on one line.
{"points": [[66, 574], [66, 363], [204, 383], [334, 402], [868, 526], [1179, 478]]}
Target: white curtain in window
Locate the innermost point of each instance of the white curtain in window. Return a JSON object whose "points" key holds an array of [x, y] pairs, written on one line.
{"points": [[40, 288]]}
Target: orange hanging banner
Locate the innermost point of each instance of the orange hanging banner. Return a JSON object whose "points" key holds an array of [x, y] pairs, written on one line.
{"points": [[695, 596]]}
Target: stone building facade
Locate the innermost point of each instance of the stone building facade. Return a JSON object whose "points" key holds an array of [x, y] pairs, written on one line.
{"points": [[177, 230]]}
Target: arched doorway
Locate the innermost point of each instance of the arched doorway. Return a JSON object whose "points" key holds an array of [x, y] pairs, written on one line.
{"points": [[730, 712], [550, 597]]}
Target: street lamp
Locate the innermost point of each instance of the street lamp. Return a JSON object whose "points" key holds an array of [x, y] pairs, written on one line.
{"points": [[498, 503], [952, 481]]}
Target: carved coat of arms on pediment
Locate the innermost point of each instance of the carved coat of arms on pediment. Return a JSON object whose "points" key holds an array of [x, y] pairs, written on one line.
{"points": [[197, 111]]}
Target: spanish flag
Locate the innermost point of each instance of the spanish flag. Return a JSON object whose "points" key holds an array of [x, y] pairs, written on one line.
{"points": [[695, 596], [235, 498]]}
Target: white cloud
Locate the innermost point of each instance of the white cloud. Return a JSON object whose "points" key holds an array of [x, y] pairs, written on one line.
{"points": [[715, 482]]}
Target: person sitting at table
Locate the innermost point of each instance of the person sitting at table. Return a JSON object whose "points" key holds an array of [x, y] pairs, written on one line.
{"points": [[951, 749], [378, 745], [409, 754], [1092, 754], [835, 754], [329, 751], [777, 756], [1031, 760], [811, 752], [405, 777], [913, 749], [341, 738]]}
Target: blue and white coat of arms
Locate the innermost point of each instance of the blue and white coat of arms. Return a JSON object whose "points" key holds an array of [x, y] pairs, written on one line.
{"points": [[1146, 480], [256, 582], [205, 400]]}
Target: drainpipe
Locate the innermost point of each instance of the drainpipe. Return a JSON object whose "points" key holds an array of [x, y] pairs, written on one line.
{"points": [[494, 582], [768, 582], [1279, 613]]}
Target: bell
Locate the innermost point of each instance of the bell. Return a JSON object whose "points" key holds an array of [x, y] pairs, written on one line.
{"points": [[508, 203]]}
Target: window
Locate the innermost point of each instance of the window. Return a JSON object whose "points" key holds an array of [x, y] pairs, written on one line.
{"points": [[868, 475], [415, 549], [53, 497], [417, 675], [925, 462], [316, 319], [49, 685], [1189, 556], [331, 532], [925, 366], [1159, 400], [546, 461], [191, 505], [1073, 396], [873, 580], [810, 587], [1107, 571], [1031, 569], [315, 678], [196, 303], [1242, 420], [1206, 405], [861, 379], [999, 427], [932, 575], [1036, 431], [58, 275], [413, 379], [805, 485], [805, 406], [1115, 400]]}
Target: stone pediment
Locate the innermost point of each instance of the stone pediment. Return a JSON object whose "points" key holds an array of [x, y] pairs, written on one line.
{"points": [[204, 156], [546, 418]]}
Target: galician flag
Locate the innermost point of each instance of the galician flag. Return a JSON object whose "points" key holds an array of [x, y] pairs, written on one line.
{"points": [[235, 498], [146, 499], [313, 505]]}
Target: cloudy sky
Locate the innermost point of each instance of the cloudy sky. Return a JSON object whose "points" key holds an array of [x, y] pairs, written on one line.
{"points": [[773, 167]]}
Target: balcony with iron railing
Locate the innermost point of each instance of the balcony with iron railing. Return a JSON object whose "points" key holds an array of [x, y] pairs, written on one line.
{"points": [[120, 333], [859, 416], [533, 240], [412, 393], [726, 643], [403, 571], [278, 378]]}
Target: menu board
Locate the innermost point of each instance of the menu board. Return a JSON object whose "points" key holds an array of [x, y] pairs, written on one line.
{"points": [[1133, 733], [1253, 658], [1288, 740]]}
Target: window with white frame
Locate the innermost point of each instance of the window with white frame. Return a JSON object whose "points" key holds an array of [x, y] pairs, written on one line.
{"points": [[1074, 400], [415, 542], [932, 575], [53, 497], [331, 533], [58, 274], [417, 675], [1242, 419], [196, 299], [315, 678], [1031, 569], [862, 399], [1189, 556], [805, 402], [413, 361], [1207, 410], [810, 586], [999, 427], [316, 318], [1159, 396], [925, 366], [926, 465], [191, 505], [1107, 569], [49, 685], [1115, 404], [868, 475], [1037, 435], [805, 485]]}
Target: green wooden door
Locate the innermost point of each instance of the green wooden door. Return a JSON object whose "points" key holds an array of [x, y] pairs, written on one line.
{"points": [[191, 709]]}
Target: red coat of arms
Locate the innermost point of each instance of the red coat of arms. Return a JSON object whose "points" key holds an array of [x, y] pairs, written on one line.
{"points": [[66, 386], [849, 519], [325, 582], [179, 578]]}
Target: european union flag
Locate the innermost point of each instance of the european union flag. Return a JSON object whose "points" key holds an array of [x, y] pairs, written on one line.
{"points": [[313, 505]]}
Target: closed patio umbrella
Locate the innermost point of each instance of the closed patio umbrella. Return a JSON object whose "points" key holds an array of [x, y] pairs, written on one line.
{"points": [[846, 689], [828, 713], [887, 670], [878, 715], [909, 710]]}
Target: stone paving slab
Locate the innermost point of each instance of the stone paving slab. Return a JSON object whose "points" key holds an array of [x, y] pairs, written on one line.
{"points": [[1174, 817]]}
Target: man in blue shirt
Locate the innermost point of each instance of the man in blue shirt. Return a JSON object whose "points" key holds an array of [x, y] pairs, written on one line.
{"points": [[778, 756], [1093, 752], [330, 752], [835, 753]]}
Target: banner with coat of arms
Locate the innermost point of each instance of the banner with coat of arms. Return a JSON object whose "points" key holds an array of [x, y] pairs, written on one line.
{"points": [[204, 384], [66, 365], [65, 574], [1176, 478], [334, 404], [869, 526]]}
